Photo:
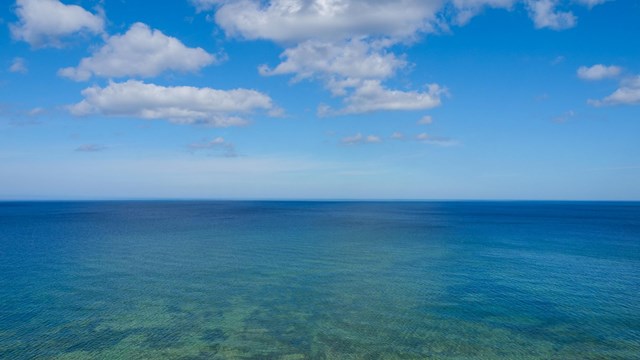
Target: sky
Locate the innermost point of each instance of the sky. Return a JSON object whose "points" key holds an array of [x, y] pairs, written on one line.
{"points": [[320, 99]]}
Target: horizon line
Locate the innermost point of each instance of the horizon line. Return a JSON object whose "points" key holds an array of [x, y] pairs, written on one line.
{"points": [[7, 200]]}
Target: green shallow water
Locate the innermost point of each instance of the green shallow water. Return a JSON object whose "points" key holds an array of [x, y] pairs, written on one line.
{"points": [[319, 280]]}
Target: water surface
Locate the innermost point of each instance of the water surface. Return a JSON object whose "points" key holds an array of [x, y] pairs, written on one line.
{"points": [[319, 280]]}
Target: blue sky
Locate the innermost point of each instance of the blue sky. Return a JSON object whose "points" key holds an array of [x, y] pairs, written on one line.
{"points": [[324, 99]]}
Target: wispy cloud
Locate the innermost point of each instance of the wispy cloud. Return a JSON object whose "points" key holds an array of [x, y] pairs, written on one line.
{"points": [[436, 140], [545, 14], [425, 120], [557, 60], [361, 139], [592, 3], [564, 117], [218, 144], [90, 148], [36, 111], [18, 65]]}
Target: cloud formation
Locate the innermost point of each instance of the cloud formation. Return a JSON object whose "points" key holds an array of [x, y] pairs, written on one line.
{"points": [[598, 72], [592, 3], [202, 5], [436, 140], [43, 23], [372, 96], [294, 21], [425, 120], [627, 94], [353, 59], [545, 14], [217, 144], [18, 65], [345, 44], [360, 139], [348, 44], [178, 104], [142, 52], [467, 9]]}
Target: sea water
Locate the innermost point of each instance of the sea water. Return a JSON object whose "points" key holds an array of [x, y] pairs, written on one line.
{"points": [[319, 280]]}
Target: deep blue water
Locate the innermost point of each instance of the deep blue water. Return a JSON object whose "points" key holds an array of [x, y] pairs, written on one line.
{"points": [[319, 280]]}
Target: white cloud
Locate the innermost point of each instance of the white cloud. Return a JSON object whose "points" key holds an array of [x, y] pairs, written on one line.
{"points": [[45, 22], [349, 59], [546, 15], [18, 65], [373, 139], [627, 94], [141, 51], [372, 96], [351, 45], [598, 72], [343, 43], [397, 135], [216, 144], [360, 139], [425, 120], [326, 20], [178, 104]]}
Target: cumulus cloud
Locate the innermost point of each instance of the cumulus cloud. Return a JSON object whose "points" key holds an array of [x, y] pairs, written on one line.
{"points": [[178, 104], [351, 45], [353, 59], [18, 65], [372, 96], [218, 144], [43, 23], [142, 52], [361, 139], [343, 43], [546, 15], [627, 94], [397, 135], [295, 21], [598, 72], [325, 20], [90, 148]]}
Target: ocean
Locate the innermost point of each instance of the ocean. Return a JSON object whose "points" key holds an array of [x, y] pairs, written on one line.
{"points": [[319, 280]]}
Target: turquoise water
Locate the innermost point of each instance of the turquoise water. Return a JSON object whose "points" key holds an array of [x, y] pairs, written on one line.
{"points": [[319, 280]]}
